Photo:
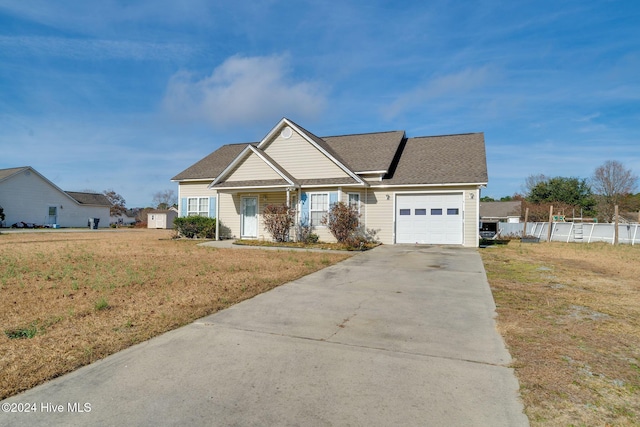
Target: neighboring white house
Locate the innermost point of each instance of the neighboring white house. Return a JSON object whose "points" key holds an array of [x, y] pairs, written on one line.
{"points": [[412, 190], [28, 197], [127, 218], [161, 218]]}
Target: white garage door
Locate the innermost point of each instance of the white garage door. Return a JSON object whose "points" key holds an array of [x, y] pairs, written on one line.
{"points": [[429, 219]]}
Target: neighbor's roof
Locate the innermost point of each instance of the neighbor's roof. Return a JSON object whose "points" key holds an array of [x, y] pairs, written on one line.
{"points": [[89, 198], [6, 173], [500, 209]]}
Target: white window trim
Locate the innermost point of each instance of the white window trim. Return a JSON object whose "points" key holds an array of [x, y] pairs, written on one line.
{"points": [[326, 211], [197, 212]]}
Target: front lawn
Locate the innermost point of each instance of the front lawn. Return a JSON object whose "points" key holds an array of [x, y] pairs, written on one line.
{"points": [[68, 299]]}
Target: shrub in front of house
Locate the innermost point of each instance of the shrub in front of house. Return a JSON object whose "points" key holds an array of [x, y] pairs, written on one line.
{"points": [[198, 227], [278, 220], [342, 220]]}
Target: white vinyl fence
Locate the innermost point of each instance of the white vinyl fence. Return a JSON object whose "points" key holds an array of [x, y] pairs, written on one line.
{"points": [[574, 232]]}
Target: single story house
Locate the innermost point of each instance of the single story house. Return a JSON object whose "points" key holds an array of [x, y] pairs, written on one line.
{"points": [[28, 197], [422, 190], [501, 211], [161, 218], [126, 218]]}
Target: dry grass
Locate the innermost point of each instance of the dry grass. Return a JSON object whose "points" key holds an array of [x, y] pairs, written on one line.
{"points": [[570, 315], [83, 296]]}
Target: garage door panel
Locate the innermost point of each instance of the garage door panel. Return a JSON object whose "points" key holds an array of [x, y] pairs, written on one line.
{"points": [[429, 218]]}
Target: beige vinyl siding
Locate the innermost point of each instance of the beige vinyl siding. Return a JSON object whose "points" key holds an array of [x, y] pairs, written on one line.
{"points": [[471, 217], [301, 159], [378, 213], [229, 213], [195, 189], [252, 168]]}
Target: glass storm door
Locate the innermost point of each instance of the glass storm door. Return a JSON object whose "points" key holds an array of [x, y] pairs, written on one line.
{"points": [[250, 217]]}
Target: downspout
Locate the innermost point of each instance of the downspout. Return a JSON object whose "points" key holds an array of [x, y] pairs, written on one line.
{"points": [[217, 217]]}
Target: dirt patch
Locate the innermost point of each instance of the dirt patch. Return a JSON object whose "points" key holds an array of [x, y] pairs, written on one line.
{"points": [[68, 299], [570, 315]]}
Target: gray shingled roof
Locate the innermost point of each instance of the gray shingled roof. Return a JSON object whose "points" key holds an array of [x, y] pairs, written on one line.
{"points": [[5, 173], [423, 160], [368, 151], [500, 209], [89, 198], [441, 159], [212, 165]]}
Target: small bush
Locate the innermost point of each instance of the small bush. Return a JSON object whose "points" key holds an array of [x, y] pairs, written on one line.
{"points": [[304, 232], [199, 227], [342, 220], [278, 220], [361, 238]]}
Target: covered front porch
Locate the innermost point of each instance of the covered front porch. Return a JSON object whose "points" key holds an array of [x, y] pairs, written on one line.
{"points": [[241, 210]]}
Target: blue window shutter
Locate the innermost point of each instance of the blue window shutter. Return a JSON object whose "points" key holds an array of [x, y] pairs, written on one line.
{"points": [[183, 207], [304, 209], [212, 207]]}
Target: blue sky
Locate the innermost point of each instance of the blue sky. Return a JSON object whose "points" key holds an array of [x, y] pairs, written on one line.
{"points": [[124, 95]]}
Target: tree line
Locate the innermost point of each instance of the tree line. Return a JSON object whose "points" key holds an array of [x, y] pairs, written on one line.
{"points": [[610, 185]]}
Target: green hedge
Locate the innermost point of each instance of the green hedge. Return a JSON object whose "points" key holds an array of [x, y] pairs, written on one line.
{"points": [[199, 227]]}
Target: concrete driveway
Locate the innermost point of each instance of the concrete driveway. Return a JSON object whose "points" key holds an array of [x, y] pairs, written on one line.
{"points": [[400, 335]]}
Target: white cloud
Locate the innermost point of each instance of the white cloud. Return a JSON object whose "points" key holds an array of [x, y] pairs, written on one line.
{"points": [[442, 88], [243, 90]]}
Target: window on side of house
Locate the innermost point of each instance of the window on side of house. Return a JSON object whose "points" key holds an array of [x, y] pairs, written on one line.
{"points": [[354, 200], [198, 206], [318, 207]]}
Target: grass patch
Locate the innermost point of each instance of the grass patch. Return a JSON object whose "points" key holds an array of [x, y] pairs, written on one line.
{"points": [[94, 294], [570, 316], [22, 333], [101, 304]]}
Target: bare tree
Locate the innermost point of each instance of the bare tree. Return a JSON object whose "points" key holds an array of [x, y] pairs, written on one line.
{"points": [[165, 199], [612, 183], [532, 182], [117, 203]]}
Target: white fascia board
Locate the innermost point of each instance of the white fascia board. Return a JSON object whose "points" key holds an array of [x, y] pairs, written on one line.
{"points": [[193, 180], [358, 185], [371, 172], [456, 184]]}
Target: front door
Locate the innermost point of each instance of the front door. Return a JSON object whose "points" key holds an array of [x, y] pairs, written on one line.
{"points": [[249, 217], [53, 215]]}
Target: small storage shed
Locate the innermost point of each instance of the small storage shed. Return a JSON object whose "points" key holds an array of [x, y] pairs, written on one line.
{"points": [[161, 218]]}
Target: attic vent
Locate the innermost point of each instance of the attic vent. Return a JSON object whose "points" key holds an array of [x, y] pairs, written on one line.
{"points": [[286, 132]]}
